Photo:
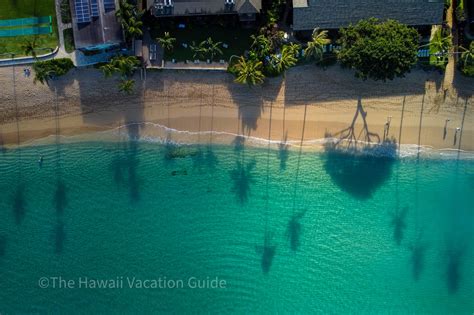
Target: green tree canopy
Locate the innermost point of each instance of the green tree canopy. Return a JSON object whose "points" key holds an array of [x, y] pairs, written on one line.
{"points": [[378, 50]]}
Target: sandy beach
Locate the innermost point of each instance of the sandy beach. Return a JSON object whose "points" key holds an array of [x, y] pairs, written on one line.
{"points": [[309, 103]]}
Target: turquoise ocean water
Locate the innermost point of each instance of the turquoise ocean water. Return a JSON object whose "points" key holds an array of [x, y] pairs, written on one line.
{"points": [[288, 231]]}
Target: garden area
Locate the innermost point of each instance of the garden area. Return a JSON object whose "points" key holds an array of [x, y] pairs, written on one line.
{"points": [[191, 39], [13, 9]]}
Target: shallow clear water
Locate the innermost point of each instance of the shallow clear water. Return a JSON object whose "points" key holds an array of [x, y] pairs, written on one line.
{"points": [[287, 231]]}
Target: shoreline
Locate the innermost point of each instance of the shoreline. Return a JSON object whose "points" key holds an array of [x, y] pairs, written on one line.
{"points": [[186, 138], [308, 105]]}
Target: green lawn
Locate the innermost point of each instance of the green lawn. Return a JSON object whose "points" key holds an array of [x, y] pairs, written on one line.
{"points": [[237, 38], [12, 9]]}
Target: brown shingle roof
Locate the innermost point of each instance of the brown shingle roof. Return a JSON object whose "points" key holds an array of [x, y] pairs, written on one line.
{"points": [[331, 14]]}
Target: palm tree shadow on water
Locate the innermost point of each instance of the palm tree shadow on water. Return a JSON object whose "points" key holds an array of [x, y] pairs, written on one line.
{"points": [[359, 165], [454, 258], [124, 164], [418, 252], [3, 245], [294, 230], [60, 201], [59, 237], [19, 203], [283, 152], [399, 224], [242, 174], [267, 252]]}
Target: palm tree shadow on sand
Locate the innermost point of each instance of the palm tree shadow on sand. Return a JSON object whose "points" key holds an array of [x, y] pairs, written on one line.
{"points": [[359, 164], [267, 252]]}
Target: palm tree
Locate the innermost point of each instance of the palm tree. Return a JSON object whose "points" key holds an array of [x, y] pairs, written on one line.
{"points": [[29, 48], [249, 72], [167, 42], [133, 28], [198, 50], [315, 47], [440, 44], [130, 19], [213, 48], [126, 65], [468, 55], [108, 70], [125, 11], [42, 74], [126, 86]]}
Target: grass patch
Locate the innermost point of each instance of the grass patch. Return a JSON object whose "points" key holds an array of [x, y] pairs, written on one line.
{"points": [[237, 38], [13, 9], [69, 40]]}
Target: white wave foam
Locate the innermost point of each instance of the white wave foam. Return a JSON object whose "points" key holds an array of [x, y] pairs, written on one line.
{"points": [[161, 134]]}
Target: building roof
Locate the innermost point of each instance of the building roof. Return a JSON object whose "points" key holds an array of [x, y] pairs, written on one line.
{"points": [[102, 28], [332, 14], [208, 7]]}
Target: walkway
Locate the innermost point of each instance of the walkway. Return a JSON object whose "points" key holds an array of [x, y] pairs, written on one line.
{"points": [[196, 66]]}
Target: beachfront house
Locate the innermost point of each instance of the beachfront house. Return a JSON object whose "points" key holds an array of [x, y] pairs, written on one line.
{"points": [[94, 25], [246, 10], [334, 14]]}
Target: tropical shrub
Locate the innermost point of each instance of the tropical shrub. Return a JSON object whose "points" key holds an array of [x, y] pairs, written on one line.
{"points": [[467, 60], [46, 70]]}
